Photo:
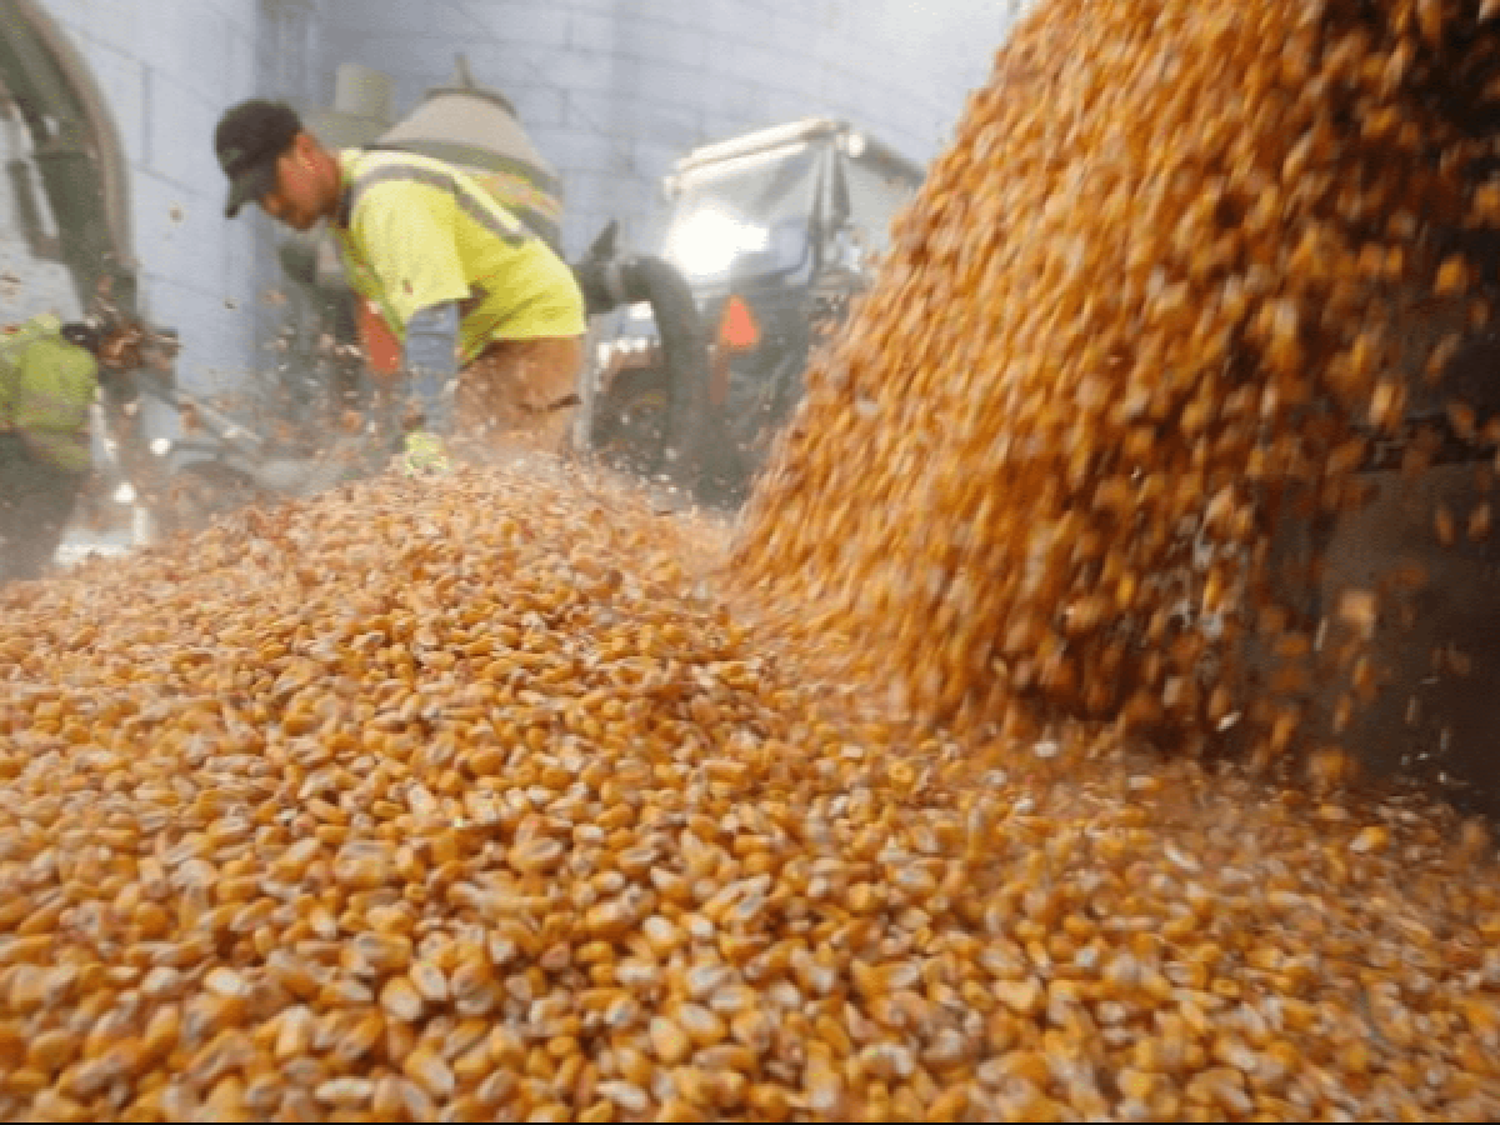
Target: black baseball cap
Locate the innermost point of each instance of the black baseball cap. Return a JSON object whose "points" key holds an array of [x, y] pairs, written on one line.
{"points": [[249, 139]]}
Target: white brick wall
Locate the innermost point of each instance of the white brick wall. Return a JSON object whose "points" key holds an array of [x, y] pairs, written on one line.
{"points": [[613, 90]]}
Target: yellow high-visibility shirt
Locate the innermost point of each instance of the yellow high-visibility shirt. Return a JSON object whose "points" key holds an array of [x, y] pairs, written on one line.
{"points": [[415, 232], [51, 386], [14, 340]]}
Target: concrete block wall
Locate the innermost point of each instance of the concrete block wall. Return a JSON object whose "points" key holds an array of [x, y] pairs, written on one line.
{"points": [[612, 91], [166, 69]]}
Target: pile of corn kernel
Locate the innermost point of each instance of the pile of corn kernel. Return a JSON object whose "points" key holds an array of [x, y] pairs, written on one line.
{"points": [[1182, 263], [504, 797], [471, 800]]}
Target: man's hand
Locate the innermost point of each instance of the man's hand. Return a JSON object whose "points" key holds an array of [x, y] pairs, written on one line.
{"points": [[425, 455]]}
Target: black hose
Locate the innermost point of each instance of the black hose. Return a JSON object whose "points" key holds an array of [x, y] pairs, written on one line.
{"points": [[607, 283]]}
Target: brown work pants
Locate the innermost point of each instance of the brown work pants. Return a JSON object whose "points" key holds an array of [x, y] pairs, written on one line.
{"points": [[521, 392]]}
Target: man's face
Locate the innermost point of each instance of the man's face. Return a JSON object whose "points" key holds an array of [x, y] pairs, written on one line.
{"points": [[299, 198]]}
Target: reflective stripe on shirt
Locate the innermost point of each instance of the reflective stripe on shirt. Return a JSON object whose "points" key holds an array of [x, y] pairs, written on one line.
{"points": [[483, 212]]}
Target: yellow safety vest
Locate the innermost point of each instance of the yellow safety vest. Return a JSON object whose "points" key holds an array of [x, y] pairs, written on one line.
{"points": [[47, 386], [415, 231], [15, 339]]}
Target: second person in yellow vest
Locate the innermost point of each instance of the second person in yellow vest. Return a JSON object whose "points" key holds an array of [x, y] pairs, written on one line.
{"points": [[49, 380], [490, 319]]}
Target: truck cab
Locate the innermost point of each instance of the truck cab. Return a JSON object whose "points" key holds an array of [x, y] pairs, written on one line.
{"points": [[774, 231]]}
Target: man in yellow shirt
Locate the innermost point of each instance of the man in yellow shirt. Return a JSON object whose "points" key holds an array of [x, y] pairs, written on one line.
{"points": [[487, 314], [49, 379]]}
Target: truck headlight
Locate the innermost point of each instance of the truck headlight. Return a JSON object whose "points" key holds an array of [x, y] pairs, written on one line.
{"points": [[707, 243]]}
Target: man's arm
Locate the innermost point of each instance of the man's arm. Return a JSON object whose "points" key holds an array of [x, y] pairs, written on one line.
{"points": [[408, 240], [431, 361]]}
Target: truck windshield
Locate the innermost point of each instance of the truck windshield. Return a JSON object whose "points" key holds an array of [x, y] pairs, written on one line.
{"points": [[876, 192], [750, 213]]}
